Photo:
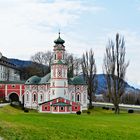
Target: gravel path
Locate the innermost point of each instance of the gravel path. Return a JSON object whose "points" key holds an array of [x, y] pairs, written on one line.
{"points": [[4, 104]]}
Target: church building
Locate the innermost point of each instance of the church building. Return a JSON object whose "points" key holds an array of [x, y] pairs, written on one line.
{"points": [[55, 92]]}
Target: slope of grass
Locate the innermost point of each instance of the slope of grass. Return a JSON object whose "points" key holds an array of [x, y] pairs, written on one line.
{"points": [[99, 125]]}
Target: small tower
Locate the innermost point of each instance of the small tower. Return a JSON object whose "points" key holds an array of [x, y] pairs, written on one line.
{"points": [[59, 80]]}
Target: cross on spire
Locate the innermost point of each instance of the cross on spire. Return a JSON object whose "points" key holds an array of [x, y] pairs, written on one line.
{"points": [[59, 33]]}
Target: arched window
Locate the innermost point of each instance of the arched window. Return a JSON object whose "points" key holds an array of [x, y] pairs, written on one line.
{"points": [[84, 98], [59, 72], [49, 96], [53, 84], [78, 97], [27, 97], [53, 92], [34, 98], [41, 97], [55, 56], [72, 97], [64, 92], [64, 84]]}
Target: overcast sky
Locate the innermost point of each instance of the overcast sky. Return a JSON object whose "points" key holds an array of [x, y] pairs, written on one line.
{"points": [[29, 26]]}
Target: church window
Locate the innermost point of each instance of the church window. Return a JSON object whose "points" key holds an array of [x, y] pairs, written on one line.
{"points": [[63, 55], [41, 97], [64, 92], [64, 84], [61, 108], [78, 97], [78, 88], [34, 98], [53, 84], [27, 97], [72, 98], [59, 55], [49, 96], [55, 56], [13, 86], [59, 73], [84, 98], [64, 72], [53, 92], [54, 71]]}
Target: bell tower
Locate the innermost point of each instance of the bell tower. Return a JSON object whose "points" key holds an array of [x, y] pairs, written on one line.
{"points": [[59, 80]]}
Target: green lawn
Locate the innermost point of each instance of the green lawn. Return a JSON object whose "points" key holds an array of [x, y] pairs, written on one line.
{"points": [[99, 125]]}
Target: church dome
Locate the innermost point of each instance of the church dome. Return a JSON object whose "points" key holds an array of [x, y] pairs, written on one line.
{"points": [[59, 40], [45, 79], [33, 80], [77, 80]]}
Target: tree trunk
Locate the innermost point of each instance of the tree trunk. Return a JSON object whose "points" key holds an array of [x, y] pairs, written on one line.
{"points": [[90, 104], [90, 100], [117, 109]]}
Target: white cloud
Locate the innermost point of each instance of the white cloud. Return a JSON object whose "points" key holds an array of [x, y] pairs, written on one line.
{"points": [[27, 26]]}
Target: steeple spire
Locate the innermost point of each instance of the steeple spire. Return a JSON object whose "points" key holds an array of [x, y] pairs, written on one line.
{"points": [[59, 33]]}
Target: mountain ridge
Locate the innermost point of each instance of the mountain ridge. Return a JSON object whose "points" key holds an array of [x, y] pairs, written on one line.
{"points": [[100, 77]]}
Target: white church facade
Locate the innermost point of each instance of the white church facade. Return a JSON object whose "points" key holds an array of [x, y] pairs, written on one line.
{"points": [[55, 92]]}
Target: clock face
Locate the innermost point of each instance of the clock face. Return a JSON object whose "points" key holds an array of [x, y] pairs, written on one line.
{"points": [[0, 55]]}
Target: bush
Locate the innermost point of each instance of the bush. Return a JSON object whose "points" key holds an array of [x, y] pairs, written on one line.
{"points": [[84, 111], [113, 109], [88, 112], [26, 110], [130, 111], [23, 108], [78, 112], [107, 108]]}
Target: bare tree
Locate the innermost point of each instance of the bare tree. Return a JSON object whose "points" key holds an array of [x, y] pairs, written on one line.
{"points": [[69, 60], [48, 58], [77, 66], [73, 63], [115, 70], [43, 58], [89, 73], [129, 98]]}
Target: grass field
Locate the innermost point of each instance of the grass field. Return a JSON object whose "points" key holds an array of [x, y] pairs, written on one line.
{"points": [[99, 125]]}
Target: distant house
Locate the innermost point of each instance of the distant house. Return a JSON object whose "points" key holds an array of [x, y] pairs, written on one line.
{"points": [[55, 92], [10, 84], [8, 71]]}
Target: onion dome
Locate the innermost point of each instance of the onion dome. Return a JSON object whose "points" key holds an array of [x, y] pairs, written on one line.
{"points": [[45, 79], [59, 40], [34, 80], [77, 80]]}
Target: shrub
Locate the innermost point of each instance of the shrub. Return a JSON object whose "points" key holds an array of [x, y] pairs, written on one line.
{"points": [[23, 108], [78, 112], [113, 109], [130, 111], [88, 112], [84, 111], [107, 108], [26, 110]]}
